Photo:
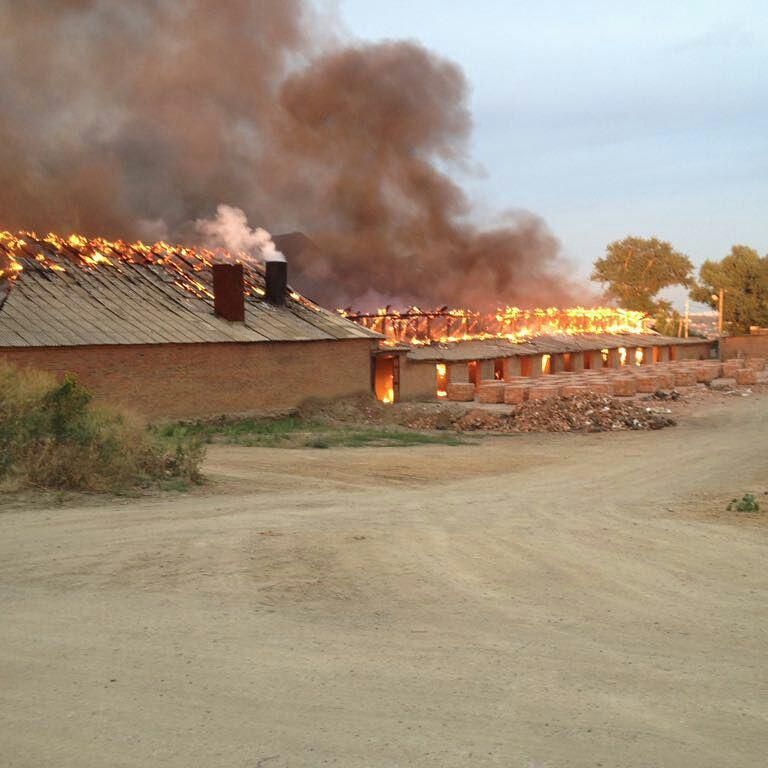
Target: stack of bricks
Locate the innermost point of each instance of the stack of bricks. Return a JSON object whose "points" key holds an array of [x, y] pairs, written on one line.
{"points": [[460, 392], [543, 391], [647, 383], [514, 394], [746, 376], [730, 367], [627, 381], [707, 372], [491, 392]]}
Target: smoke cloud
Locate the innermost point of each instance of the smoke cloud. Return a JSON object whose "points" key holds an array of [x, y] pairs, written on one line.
{"points": [[230, 231], [136, 120]]}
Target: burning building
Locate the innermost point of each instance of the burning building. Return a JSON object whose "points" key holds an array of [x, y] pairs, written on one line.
{"points": [[176, 332], [171, 333], [424, 352]]}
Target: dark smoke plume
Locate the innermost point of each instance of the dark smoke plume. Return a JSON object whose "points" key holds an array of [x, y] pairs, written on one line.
{"points": [[136, 120]]}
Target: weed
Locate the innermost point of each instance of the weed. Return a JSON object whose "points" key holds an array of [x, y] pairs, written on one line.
{"points": [[747, 503], [296, 432], [53, 437]]}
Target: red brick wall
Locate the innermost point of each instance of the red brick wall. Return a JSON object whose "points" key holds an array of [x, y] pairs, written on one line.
{"points": [[744, 346], [694, 351], [169, 381]]}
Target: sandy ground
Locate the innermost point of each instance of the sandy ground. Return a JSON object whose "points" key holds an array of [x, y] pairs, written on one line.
{"points": [[536, 600]]}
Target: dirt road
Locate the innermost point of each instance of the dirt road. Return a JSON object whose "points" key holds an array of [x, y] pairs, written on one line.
{"points": [[554, 600]]}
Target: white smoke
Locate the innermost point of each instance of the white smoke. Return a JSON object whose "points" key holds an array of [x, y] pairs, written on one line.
{"points": [[229, 230]]}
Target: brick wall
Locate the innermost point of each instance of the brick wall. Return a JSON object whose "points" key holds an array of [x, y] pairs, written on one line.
{"points": [[744, 346], [701, 351], [167, 381], [418, 381]]}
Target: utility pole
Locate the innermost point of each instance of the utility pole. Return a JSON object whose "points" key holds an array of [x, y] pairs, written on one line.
{"points": [[687, 316], [720, 316], [720, 298]]}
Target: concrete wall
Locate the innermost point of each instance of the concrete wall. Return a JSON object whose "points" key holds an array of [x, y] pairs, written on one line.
{"points": [[744, 346], [170, 381], [418, 381]]}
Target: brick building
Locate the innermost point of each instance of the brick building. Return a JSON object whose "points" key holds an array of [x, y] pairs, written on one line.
{"points": [[166, 333]]}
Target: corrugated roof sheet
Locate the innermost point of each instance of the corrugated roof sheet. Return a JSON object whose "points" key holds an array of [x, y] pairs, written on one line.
{"points": [[60, 302], [461, 351]]}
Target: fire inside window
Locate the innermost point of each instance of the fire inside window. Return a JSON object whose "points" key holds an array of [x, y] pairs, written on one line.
{"points": [[442, 380]]}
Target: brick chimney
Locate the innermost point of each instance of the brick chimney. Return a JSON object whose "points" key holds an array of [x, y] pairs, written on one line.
{"points": [[229, 292]]}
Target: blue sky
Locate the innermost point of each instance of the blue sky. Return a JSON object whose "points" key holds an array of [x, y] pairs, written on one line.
{"points": [[608, 118]]}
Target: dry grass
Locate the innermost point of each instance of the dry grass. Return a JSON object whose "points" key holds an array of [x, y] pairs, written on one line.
{"points": [[52, 437]]}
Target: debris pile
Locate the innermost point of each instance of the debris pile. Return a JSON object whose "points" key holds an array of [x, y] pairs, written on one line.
{"points": [[587, 413], [579, 413]]}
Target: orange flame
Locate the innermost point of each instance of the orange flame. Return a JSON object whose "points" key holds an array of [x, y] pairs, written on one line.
{"points": [[189, 267], [415, 326]]}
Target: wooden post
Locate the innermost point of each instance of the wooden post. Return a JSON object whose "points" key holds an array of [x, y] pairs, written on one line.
{"points": [[720, 313]]}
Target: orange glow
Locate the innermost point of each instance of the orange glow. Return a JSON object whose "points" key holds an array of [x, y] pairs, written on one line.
{"points": [[442, 380], [417, 327], [189, 268]]}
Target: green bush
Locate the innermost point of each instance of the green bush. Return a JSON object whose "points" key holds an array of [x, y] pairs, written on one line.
{"points": [[52, 436], [747, 503]]}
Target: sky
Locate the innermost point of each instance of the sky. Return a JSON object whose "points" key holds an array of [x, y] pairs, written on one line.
{"points": [[607, 119]]}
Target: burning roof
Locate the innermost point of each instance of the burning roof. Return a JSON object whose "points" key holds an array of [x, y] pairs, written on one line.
{"points": [[508, 324], [58, 291]]}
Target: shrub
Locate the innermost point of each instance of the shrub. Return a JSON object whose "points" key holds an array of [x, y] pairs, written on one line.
{"points": [[747, 503], [52, 436]]}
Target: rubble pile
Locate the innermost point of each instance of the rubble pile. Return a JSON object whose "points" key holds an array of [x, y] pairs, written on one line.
{"points": [[579, 413], [587, 413]]}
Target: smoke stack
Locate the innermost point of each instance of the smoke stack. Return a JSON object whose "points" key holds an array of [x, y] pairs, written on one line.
{"points": [[276, 282], [228, 292]]}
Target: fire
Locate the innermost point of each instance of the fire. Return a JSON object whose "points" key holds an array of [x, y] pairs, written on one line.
{"points": [[442, 380], [188, 267], [389, 396], [415, 326]]}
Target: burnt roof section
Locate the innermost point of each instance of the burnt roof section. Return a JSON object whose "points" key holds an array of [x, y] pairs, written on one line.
{"points": [[463, 351], [78, 293]]}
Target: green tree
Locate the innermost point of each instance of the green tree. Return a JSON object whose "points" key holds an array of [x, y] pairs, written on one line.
{"points": [[635, 269], [743, 274]]}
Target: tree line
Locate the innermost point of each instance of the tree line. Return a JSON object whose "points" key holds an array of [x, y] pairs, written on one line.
{"points": [[635, 270]]}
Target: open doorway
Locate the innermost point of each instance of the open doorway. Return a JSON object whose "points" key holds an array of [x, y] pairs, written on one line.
{"points": [[473, 369], [387, 379]]}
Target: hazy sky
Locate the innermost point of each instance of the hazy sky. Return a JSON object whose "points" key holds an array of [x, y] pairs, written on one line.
{"points": [[608, 118]]}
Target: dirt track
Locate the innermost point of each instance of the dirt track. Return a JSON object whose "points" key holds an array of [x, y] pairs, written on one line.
{"points": [[551, 600]]}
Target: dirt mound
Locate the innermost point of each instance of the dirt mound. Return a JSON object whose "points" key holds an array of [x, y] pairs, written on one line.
{"points": [[587, 413], [580, 413]]}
